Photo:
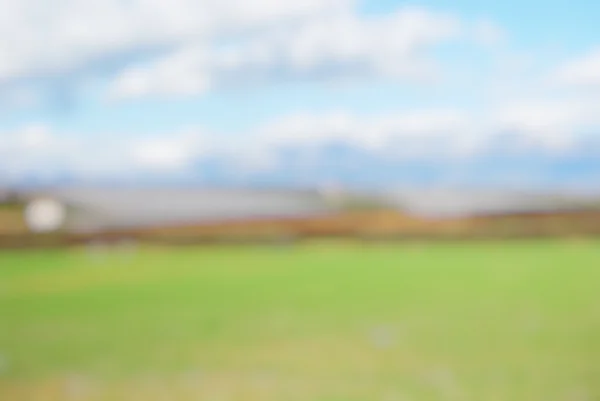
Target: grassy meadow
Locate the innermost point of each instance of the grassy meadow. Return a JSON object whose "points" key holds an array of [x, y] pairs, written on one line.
{"points": [[323, 321]]}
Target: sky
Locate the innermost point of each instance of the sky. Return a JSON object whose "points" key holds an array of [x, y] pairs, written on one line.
{"points": [[284, 92]]}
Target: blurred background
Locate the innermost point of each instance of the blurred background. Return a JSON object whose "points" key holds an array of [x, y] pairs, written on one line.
{"points": [[378, 199]]}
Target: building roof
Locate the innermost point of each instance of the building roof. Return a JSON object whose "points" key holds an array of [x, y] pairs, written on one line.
{"points": [[106, 209], [455, 203]]}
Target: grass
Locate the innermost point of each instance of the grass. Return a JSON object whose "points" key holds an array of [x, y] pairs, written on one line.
{"points": [[324, 321]]}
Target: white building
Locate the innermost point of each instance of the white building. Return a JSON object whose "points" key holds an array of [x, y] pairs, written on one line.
{"points": [[93, 210]]}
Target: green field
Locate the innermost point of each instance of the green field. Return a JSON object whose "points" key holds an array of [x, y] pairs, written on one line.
{"points": [[315, 322]]}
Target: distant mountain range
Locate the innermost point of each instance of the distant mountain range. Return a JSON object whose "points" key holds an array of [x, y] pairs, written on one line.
{"points": [[501, 162]]}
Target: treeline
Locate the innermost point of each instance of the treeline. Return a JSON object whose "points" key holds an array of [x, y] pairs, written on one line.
{"points": [[362, 226]]}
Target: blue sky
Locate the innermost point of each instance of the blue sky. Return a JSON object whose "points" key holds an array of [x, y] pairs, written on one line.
{"points": [[217, 91]]}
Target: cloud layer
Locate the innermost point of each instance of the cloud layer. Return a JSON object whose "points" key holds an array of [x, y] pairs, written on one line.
{"points": [[56, 36], [188, 49], [325, 46], [436, 146]]}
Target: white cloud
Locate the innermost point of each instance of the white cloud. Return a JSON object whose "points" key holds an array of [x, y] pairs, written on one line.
{"points": [[539, 125], [406, 134], [556, 124], [30, 138], [36, 148], [345, 126], [39, 150], [428, 135], [181, 73], [54, 36], [170, 152], [188, 47], [388, 45], [31, 147], [342, 44], [36, 137], [581, 72], [161, 154]]}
